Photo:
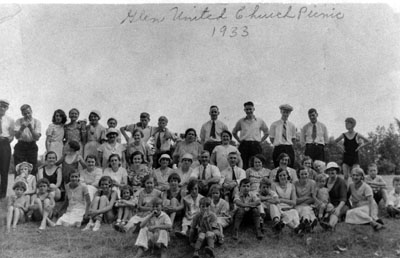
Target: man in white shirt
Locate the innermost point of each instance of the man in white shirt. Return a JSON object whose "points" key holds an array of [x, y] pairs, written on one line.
{"points": [[206, 173], [315, 136], [282, 135], [6, 137], [210, 132]]}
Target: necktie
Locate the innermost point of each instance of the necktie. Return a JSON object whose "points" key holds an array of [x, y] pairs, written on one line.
{"points": [[212, 132], [203, 176], [1, 128], [314, 132], [233, 174], [158, 143], [284, 131]]}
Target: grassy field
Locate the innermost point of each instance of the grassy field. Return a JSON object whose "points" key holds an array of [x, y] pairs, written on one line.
{"points": [[346, 241]]}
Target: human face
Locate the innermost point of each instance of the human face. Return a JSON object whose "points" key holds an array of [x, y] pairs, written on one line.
{"points": [[73, 115], [137, 137], [19, 191], [74, 178], [144, 120], [356, 177], [349, 125], [126, 195], [321, 183], [112, 123], [396, 186], [205, 158], [149, 185], [93, 118], [51, 159], [195, 191], [91, 163], [303, 174], [372, 171], [105, 185], [285, 114], [245, 188], [265, 188], [57, 118], [332, 173], [249, 110], [137, 159], [114, 161], [3, 108], [186, 163], [205, 209], [313, 117], [43, 188], [307, 163], [191, 136], [112, 137], [164, 162], [225, 139], [282, 177], [284, 162], [157, 209], [173, 184], [214, 112], [27, 113], [24, 171], [215, 194], [232, 159], [162, 124], [257, 164]]}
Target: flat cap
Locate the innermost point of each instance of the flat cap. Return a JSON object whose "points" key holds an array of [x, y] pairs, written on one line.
{"points": [[286, 107]]}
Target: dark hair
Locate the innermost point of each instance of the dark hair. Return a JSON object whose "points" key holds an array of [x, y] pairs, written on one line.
{"points": [[192, 183], [73, 171], [62, 114], [190, 130], [48, 153], [112, 156], [25, 106], [265, 181], [214, 106], [396, 179], [312, 110], [279, 171], [105, 178], [137, 153], [306, 158], [126, 188], [112, 118], [244, 181], [43, 181], [74, 145], [258, 156], [148, 177], [156, 201], [174, 176], [91, 156], [283, 155], [227, 132], [205, 201], [19, 184], [138, 130], [248, 103]]}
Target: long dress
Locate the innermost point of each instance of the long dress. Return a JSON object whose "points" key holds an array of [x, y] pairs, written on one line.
{"points": [[360, 213], [289, 215], [76, 206], [55, 134]]}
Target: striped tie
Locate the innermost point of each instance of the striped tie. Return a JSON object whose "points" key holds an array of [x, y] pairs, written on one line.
{"points": [[284, 131]]}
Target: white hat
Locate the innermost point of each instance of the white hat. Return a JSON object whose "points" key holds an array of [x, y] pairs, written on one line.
{"points": [[165, 156], [332, 165]]}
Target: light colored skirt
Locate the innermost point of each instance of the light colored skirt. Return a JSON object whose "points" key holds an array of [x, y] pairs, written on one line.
{"points": [[361, 215]]}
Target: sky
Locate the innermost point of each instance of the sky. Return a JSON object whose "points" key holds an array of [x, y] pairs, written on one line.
{"points": [[65, 56]]}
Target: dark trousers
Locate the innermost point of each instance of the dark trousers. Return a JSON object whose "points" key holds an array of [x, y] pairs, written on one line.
{"points": [[5, 157], [241, 214], [247, 150], [26, 151], [315, 151], [288, 149], [209, 146]]}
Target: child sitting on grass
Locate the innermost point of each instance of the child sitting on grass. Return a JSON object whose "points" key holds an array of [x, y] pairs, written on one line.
{"points": [[393, 199], [247, 204], [323, 205], [221, 208], [17, 206], [77, 200], [125, 206], [44, 204], [204, 227], [154, 230], [376, 182]]}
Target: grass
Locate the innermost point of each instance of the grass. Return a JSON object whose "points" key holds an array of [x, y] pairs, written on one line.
{"points": [[60, 242]]}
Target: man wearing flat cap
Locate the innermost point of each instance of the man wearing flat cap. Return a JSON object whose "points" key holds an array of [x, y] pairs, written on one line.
{"points": [[6, 137], [282, 135], [27, 132], [314, 135]]}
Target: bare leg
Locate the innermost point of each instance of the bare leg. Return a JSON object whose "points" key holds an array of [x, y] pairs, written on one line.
{"points": [[163, 252], [120, 213], [346, 173], [45, 214], [127, 214], [17, 214], [139, 252], [10, 213], [174, 204]]}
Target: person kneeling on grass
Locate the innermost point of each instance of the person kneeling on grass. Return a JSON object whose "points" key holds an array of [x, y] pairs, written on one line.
{"points": [[43, 205], [78, 201], [204, 227], [247, 203], [393, 200], [17, 206], [154, 230]]}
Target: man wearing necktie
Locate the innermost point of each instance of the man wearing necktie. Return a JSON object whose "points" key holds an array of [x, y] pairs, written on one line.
{"points": [[207, 174], [210, 132], [282, 135], [6, 137], [315, 136], [231, 177], [163, 138]]}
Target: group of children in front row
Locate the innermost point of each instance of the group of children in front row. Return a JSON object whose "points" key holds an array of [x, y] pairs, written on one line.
{"points": [[154, 211]]}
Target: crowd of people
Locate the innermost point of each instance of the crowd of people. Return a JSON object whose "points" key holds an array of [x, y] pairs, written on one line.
{"points": [[202, 184]]}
